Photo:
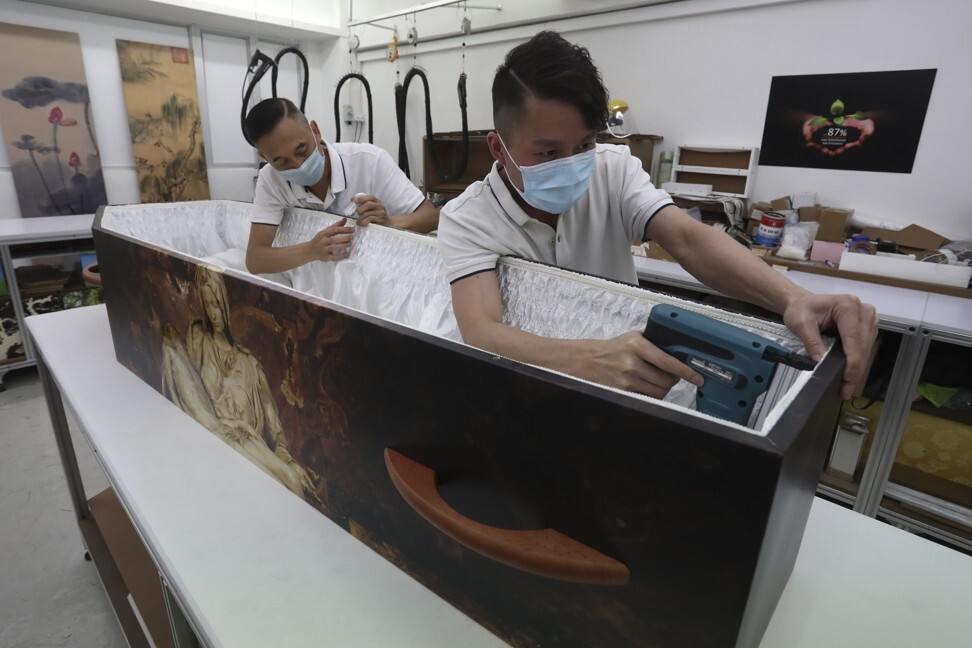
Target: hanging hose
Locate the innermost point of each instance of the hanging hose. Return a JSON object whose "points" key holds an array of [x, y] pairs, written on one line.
{"points": [[276, 64], [401, 94], [337, 111], [259, 64]]}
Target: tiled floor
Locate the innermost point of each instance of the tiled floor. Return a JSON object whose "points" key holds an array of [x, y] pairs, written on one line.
{"points": [[49, 594]]}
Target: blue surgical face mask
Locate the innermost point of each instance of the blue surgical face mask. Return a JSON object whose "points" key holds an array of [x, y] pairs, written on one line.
{"points": [[556, 185], [309, 173]]}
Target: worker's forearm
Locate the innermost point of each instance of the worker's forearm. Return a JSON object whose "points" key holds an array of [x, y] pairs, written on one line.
{"points": [[737, 271], [509, 342], [266, 260], [423, 220]]}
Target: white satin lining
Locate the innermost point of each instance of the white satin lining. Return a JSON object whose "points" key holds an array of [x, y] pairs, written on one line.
{"points": [[399, 276]]}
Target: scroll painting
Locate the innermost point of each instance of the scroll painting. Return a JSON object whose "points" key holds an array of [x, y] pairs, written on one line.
{"points": [[47, 125], [163, 115]]}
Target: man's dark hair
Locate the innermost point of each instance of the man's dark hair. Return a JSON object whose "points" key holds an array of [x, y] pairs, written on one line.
{"points": [[548, 67], [265, 116]]}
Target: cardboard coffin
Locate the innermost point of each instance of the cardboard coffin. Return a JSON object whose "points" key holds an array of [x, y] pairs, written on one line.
{"points": [[553, 511]]}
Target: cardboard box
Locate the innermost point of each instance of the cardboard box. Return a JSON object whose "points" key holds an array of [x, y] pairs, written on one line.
{"points": [[809, 214], [833, 225], [912, 237], [655, 251], [826, 251]]}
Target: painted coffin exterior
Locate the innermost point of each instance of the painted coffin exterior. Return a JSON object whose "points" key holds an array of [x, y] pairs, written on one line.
{"points": [[691, 525]]}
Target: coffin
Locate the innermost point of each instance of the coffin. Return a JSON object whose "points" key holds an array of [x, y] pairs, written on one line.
{"points": [[553, 511]]}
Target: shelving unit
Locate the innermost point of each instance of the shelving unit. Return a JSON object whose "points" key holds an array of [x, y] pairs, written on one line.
{"points": [[32, 238], [912, 320]]}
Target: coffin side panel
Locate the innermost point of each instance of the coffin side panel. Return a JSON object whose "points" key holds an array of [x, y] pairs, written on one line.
{"points": [[808, 426], [681, 505]]}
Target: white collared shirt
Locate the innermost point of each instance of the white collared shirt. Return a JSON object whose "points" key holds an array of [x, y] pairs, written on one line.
{"points": [[593, 236], [355, 168]]}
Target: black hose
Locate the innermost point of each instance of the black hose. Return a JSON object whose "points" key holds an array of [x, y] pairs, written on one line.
{"points": [[276, 63], [401, 94], [337, 111], [259, 64]]}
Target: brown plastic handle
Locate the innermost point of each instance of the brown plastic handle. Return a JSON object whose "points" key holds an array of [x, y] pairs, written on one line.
{"points": [[543, 552]]}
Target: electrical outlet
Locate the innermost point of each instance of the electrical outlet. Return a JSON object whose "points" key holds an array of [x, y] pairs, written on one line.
{"points": [[347, 112]]}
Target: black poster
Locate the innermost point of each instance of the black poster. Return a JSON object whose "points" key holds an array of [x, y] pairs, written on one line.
{"points": [[862, 121]]}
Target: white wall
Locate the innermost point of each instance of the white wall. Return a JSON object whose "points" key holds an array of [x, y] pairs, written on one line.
{"points": [[704, 78], [694, 71], [224, 60]]}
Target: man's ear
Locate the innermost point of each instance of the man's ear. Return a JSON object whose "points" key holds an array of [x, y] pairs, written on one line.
{"points": [[316, 131], [496, 149]]}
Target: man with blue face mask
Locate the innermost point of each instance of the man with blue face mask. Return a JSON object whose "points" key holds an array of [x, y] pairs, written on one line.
{"points": [[557, 197], [302, 170]]}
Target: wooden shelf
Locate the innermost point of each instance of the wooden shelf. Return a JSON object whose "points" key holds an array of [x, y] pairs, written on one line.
{"points": [[129, 569], [448, 146]]}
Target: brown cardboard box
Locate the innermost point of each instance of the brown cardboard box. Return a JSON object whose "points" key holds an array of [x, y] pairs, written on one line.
{"points": [[758, 208], [914, 237], [808, 214], [833, 225], [780, 203], [655, 251]]}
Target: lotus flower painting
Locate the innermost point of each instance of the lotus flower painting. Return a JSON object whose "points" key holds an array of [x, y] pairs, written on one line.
{"points": [[46, 123]]}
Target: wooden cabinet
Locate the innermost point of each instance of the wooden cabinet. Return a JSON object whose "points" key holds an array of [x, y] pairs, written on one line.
{"points": [[448, 147]]}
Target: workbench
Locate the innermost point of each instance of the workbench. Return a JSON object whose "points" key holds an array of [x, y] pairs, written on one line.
{"points": [[242, 562]]}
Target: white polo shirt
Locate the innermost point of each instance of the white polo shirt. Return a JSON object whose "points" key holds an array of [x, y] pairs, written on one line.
{"points": [[593, 236], [355, 168]]}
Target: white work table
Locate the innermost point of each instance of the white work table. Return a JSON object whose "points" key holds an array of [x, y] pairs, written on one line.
{"points": [[894, 305], [251, 565], [47, 228]]}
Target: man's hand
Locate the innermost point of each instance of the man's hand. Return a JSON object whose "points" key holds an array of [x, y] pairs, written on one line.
{"points": [[632, 363], [333, 243], [856, 324], [371, 210], [627, 362], [865, 127]]}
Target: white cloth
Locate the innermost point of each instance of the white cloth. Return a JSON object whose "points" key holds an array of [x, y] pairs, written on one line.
{"points": [[593, 236], [355, 168]]}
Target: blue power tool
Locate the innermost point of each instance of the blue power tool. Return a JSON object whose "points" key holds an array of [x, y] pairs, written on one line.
{"points": [[737, 365]]}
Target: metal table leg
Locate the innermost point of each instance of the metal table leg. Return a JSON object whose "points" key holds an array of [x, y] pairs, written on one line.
{"points": [[62, 434], [182, 632]]}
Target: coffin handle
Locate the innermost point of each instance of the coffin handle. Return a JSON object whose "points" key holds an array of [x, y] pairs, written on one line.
{"points": [[544, 552]]}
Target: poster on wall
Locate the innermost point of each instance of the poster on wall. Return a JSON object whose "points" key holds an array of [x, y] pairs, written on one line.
{"points": [[159, 84], [861, 121], [45, 118]]}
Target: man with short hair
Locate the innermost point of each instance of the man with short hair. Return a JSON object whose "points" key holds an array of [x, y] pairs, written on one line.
{"points": [[344, 178], [556, 196]]}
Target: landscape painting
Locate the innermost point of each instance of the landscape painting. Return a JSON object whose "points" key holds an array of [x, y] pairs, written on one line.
{"points": [[47, 125], [163, 115]]}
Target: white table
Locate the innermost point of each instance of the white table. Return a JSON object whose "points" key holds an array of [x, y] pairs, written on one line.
{"points": [[249, 564]]}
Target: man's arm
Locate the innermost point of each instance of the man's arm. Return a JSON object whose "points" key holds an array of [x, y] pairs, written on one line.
{"points": [[723, 264], [628, 362], [424, 219], [332, 243]]}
